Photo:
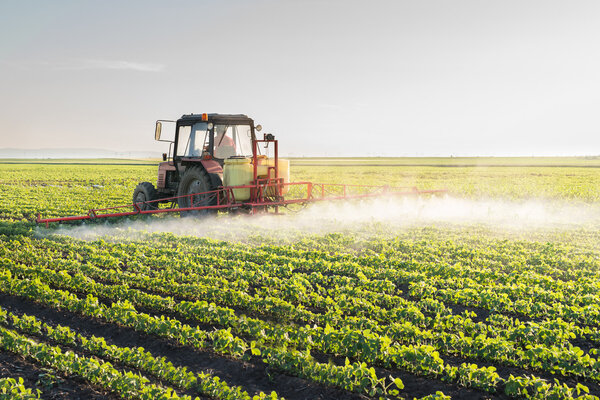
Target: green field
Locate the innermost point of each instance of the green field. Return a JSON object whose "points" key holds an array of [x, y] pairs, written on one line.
{"points": [[591, 161], [489, 292], [39, 187]]}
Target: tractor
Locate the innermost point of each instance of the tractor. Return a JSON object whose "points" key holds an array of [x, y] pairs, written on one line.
{"points": [[207, 152]]}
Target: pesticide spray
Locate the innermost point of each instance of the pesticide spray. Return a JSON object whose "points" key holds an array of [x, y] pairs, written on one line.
{"points": [[390, 215]]}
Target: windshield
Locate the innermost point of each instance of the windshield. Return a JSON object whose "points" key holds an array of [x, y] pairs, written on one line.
{"points": [[232, 140], [229, 140]]}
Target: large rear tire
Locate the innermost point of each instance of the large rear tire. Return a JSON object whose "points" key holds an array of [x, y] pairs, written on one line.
{"points": [[196, 180], [143, 193]]}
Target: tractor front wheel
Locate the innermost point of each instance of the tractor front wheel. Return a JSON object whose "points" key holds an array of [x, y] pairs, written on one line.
{"points": [[144, 193], [196, 180]]}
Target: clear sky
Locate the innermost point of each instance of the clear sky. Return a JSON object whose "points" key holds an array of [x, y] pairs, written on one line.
{"points": [[329, 78]]}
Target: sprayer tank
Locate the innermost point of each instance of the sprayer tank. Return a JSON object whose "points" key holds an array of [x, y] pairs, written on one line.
{"points": [[282, 165], [239, 171]]}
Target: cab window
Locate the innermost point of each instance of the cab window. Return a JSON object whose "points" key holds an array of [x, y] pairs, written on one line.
{"points": [[193, 140]]}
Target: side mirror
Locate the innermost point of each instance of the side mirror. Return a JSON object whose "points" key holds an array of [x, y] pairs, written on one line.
{"points": [[258, 128], [157, 131]]}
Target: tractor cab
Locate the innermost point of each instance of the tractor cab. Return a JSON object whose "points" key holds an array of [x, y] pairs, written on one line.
{"points": [[212, 137]]}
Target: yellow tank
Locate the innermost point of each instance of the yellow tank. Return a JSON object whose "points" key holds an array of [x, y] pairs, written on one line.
{"points": [[237, 172], [284, 170]]}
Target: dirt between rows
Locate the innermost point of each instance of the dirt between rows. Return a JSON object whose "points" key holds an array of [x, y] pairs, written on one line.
{"points": [[53, 385]]}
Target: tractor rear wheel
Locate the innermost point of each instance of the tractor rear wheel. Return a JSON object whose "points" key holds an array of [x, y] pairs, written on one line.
{"points": [[196, 180], [143, 193]]}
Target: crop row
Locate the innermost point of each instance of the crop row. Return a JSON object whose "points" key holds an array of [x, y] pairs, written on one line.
{"points": [[354, 343], [126, 384], [355, 376], [11, 388], [515, 346], [136, 357], [291, 293], [512, 290], [247, 272]]}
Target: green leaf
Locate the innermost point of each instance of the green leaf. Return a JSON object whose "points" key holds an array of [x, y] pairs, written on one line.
{"points": [[399, 384]]}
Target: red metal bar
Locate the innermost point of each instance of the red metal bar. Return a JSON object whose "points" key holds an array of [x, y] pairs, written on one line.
{"points": [[277, 168], [255, 159], [229, 200]]}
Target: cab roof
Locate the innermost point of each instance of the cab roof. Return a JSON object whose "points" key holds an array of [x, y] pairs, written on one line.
{"points": [[189, 119]]}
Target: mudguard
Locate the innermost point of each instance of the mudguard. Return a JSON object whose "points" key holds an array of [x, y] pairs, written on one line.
{"points": [[215, 172], [212, 167]]}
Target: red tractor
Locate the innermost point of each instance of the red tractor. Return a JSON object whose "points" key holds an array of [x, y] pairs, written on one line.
{"points": [[208, 152]]}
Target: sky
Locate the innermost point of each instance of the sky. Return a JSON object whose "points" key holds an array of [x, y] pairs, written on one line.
{"points": [[327, 78]]}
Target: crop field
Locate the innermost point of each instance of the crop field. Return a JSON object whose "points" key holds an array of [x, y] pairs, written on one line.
{"points": [[489, 292]]}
